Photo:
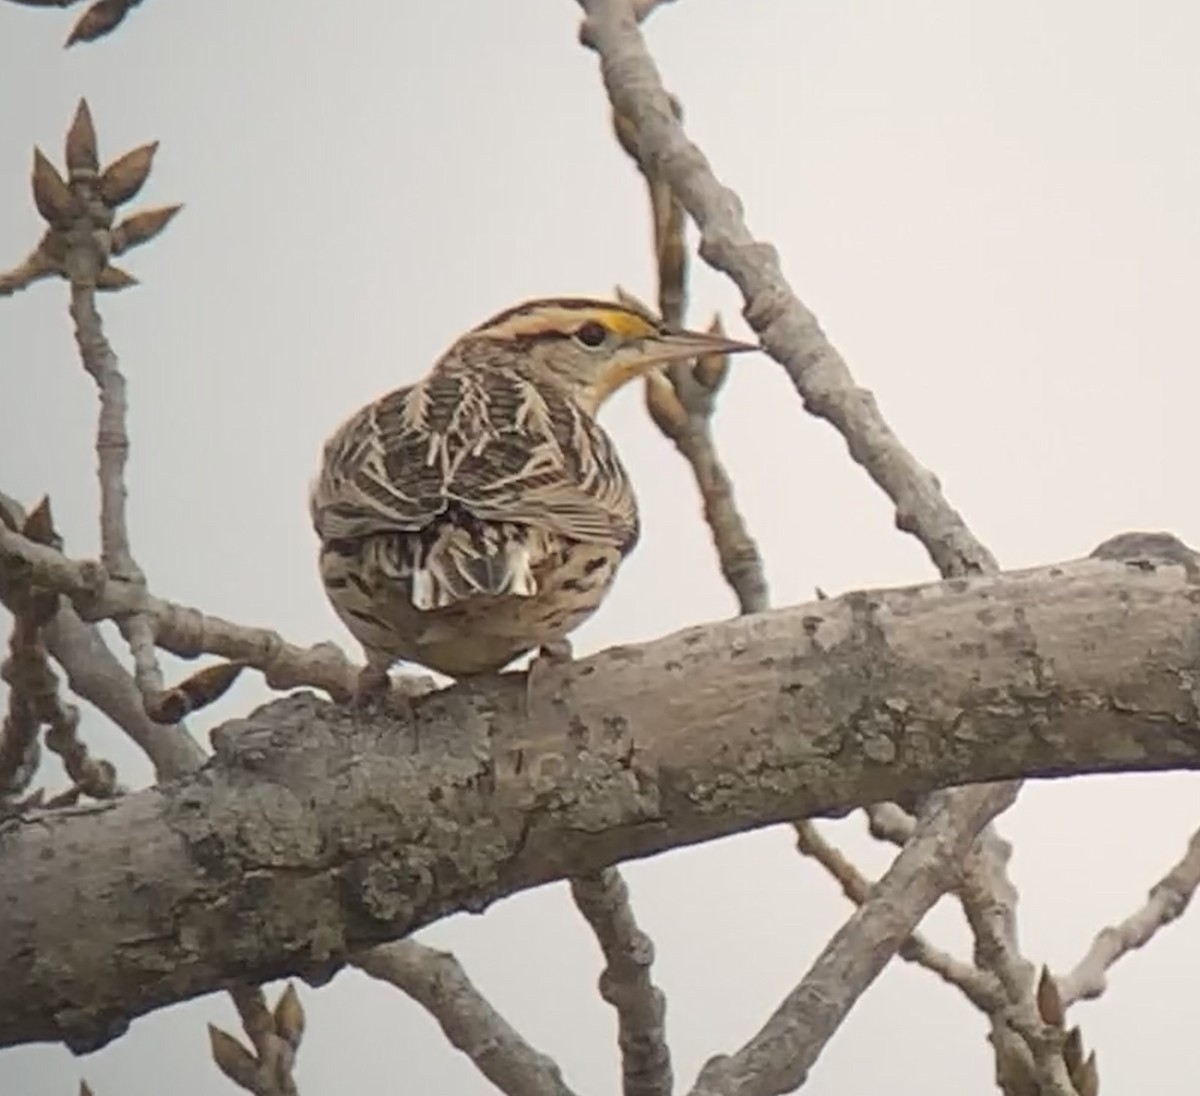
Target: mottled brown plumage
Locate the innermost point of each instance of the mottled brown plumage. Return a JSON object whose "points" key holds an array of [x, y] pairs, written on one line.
{"points": [[482, 512]]}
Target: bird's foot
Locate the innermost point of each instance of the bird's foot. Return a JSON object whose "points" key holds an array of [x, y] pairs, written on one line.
{"points": [[375, 694], [541, 668]]}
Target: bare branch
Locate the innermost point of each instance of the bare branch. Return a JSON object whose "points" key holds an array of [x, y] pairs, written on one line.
{"points": [[33, 700], [789, 331], [779, 1057], [1030, 1050], [180, 629], [1168, 898], [436, 980], [87, 255], [345, 821], [682, 406], [94, 673], [625, 983], [978, 986]]}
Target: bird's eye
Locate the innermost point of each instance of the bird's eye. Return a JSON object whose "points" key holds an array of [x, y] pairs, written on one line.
{"points": [[592, 334]]}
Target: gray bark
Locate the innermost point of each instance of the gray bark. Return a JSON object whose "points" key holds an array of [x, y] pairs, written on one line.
{"points": [[315, 831]]}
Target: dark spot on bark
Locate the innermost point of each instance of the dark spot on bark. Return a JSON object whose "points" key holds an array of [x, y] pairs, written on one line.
{"points": [[626, 654], [593, 564], [616, 727]]}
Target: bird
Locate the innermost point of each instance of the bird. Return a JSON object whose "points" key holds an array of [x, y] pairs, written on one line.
{"points": [[482, 512]]}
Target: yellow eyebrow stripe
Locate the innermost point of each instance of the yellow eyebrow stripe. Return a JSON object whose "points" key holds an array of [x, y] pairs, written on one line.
{"points": [[628, 325]]}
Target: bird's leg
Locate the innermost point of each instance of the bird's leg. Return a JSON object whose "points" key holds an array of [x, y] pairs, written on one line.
{"points": [[375, 692], [550, 655], [372, 686]]}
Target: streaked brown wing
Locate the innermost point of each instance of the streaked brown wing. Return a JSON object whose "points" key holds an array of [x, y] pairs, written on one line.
{"points": [[488, 440]]}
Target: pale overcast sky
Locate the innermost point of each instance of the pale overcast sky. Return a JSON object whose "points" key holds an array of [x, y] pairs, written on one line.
{"points": [[993, 208]]}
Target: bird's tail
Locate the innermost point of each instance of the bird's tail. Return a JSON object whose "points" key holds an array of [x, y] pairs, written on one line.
{"points": [[453, 560]]}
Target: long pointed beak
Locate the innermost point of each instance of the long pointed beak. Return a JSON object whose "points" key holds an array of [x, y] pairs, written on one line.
{"points": [[678, 345]]}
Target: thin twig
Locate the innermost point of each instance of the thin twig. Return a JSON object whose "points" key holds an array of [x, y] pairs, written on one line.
{"points": [[625, 983], [180, 629], [682, 402], [1027, 1047], [95, 674], [33, 700], [1167, 900], [682, 409], [777, 1059], [87, 255], [80, 211], [20, 748], [788, 330], [436, 981], [978, 986]]}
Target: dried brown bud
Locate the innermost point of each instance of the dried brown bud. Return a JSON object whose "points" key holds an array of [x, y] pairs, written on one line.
{"points": [[1049, 1000], [232, 1059], [142, 227], [289, 1017], [85, 1089], [711, 369], [197, 691], [39, 525], [112, 278], [102, 17], [124, 177], [51, 195], [663, 404], [1086, 1079], [1073, 1050], [82, 155]]}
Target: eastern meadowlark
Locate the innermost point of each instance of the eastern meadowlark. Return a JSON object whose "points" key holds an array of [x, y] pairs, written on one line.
{"points": [[481, 512]]}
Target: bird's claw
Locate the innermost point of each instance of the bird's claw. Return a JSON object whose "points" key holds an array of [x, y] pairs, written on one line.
{"points": [[550, 656], [374, 694]]}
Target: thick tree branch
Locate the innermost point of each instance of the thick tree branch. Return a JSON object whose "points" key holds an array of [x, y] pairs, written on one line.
{"points": [[316, 831], [437, 981]]}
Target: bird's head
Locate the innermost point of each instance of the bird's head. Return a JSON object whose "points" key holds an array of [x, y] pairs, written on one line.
{"points": [[592, 346]]}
